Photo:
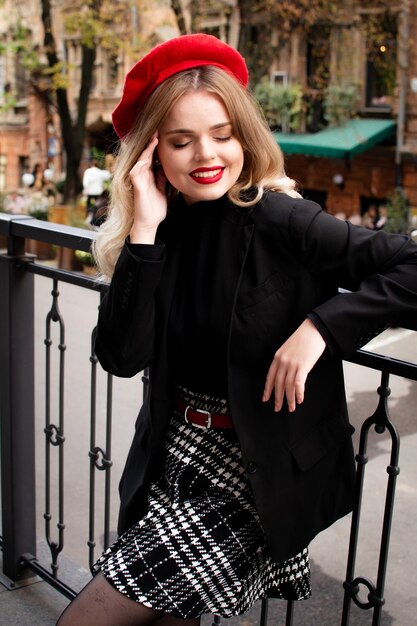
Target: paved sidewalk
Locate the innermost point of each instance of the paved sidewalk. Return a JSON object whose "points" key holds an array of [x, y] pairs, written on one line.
{"points": [[37, 603]]}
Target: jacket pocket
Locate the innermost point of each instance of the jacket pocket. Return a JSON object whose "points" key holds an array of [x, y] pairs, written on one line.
{"points": [[316, 444], [274, 283]]}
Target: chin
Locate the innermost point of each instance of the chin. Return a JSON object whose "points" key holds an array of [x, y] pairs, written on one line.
{"points": [[204, 195]]}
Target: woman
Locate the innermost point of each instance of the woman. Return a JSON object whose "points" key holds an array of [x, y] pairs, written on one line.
{"points": [[225, 282]]}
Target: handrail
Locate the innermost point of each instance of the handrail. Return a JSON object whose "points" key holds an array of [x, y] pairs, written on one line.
{"points": [[24, 226], [386, 364]]}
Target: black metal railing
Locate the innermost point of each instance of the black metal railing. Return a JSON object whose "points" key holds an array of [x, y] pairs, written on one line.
{"points": [[17, 271], [380, 420], [17, 398]]}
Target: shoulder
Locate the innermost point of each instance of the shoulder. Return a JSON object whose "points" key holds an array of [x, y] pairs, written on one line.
{"points": [[280, 209], [300, 224]]}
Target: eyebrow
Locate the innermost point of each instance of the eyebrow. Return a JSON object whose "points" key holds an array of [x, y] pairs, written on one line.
{"points": [[186, 131]]}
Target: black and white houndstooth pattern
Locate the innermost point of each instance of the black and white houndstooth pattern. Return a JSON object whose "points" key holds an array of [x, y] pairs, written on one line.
{"points": [[201, 547]]}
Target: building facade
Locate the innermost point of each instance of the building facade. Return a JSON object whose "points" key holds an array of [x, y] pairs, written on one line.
{"points": [[384, 73], [380, 63]]}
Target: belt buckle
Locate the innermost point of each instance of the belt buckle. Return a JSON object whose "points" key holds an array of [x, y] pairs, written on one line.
{"points": [[205, 426]]}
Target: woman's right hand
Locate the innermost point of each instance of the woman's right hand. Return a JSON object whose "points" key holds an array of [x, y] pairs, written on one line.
{"points": [[149, 196]]}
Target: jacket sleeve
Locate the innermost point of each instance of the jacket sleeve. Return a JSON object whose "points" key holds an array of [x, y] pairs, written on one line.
{"points": [[125, 328], [378, 271]]}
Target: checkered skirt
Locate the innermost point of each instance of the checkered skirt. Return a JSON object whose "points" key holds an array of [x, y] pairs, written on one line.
{"points": [[201, 547]]}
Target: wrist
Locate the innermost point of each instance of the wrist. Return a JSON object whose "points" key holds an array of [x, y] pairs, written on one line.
{"points": [[140, 234]]}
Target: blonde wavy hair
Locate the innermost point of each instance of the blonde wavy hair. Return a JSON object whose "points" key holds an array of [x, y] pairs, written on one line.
{"points": [[263, 166]]}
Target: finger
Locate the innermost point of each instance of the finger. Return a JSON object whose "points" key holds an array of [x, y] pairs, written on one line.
{"points": [[290, 392], [300, 387], [145, 161], [150, 148], [140, 175], [279, 386], [145, 158], [139, 165], [290, 381], [270, 381]]}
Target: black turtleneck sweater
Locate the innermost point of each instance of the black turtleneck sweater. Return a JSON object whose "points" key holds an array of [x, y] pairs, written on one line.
{"points": [[203, 300]]}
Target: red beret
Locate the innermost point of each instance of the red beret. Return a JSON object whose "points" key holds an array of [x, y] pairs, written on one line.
{"points": [[171, 57]]}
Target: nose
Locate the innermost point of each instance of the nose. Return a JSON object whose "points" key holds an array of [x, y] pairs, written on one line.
{"points": [[205, 150]]}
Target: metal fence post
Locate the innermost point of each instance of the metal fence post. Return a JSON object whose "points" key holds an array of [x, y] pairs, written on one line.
{"points": [[17, 410]]}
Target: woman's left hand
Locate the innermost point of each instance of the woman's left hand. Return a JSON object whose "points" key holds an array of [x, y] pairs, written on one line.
{"points": [[292, 364]]}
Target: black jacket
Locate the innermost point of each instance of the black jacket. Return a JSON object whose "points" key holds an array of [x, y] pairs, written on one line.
{"points": [[289, 260]]}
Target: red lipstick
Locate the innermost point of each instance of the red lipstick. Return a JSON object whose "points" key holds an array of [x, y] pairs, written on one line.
{"points": [[207, 175]]}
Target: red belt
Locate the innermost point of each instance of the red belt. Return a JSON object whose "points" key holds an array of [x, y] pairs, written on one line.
{"points": [[203, 419]]}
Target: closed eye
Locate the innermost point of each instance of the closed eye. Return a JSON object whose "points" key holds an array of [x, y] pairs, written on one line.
{"points": [[178, 146]]}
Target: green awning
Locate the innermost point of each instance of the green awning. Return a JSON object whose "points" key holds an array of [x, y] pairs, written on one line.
{"points": [[338, 142]]}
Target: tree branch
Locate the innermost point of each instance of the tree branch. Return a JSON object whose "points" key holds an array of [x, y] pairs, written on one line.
{"points": [[179, 15], [53, 60]]}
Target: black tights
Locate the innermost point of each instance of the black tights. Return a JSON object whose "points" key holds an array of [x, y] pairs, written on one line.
{"points": [[100, 604]]}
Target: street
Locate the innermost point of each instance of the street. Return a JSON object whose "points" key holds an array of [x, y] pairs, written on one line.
{"points": [[328, 551]]}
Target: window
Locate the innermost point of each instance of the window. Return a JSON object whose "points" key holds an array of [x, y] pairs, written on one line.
{"points": [[279, 78], [112, 70], [317, 74], [21, 78], [23, 166], [381, 60], [318, 57]]}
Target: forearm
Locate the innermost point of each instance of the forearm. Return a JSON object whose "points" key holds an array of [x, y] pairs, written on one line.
{"points": [[125, 328]]}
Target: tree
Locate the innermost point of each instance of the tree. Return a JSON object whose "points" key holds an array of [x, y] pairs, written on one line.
{"points": [[397, 209], [92, 22]]}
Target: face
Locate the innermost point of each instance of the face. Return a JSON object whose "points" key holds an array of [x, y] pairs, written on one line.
{"points": [[197, 149]]}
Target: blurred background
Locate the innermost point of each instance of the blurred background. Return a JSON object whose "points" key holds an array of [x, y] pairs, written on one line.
{"points": [[337, 82]]}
